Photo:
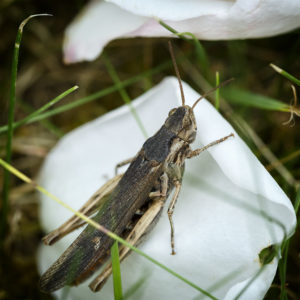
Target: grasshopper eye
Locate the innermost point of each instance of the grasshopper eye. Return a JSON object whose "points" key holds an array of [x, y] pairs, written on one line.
{"points": [[171, 112]]}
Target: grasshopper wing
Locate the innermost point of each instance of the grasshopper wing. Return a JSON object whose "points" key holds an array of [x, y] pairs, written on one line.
{"points": [[91, 206]]}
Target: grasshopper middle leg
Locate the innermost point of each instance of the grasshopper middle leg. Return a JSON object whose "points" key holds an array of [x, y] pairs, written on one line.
{"points": [[123, 163], [171, 211], [163, 187]]}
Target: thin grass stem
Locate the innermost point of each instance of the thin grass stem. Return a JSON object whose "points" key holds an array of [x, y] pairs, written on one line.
{"points": [[113, 74], [37, 112], [286, 74]]}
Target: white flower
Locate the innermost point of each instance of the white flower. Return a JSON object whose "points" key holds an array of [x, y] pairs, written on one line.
{"points": [[101, 22], [219, 230]]}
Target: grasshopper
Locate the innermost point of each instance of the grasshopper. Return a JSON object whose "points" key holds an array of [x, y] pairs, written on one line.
{"points": [[129, 204]]}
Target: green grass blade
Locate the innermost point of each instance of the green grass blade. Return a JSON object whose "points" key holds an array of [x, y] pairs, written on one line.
{"points": [[286, 74], [26, 179], [113, 74], [116, 271], [11, 112], [37, 112], [47, 124], [246, 98], [200, 51]]}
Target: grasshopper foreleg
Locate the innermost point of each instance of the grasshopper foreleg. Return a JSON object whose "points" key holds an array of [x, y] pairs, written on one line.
{"points": [[196, 152]]}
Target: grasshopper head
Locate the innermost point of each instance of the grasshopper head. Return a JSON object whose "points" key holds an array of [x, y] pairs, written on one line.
{"points": [[181, 121]]}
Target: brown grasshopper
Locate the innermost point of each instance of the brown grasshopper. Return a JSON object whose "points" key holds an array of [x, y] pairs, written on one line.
{"points": [[129, 204]]}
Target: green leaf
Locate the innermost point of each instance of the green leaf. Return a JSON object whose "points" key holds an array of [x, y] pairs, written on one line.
{"points": [[246, 98], [267, 254]]}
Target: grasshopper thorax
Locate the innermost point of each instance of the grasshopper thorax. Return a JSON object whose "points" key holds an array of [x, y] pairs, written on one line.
{"points": [[181, 121]]}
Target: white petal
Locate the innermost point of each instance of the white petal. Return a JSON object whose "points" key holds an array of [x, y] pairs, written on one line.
{"points": [[175, 10], [102, 22], [99, 23], [219, 229], [233, 20]]}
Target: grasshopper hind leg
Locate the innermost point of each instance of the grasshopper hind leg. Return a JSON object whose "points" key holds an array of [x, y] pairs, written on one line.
{"points": [[143, 226]]}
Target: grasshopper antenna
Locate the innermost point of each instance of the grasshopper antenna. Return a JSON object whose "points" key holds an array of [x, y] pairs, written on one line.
{"points": [[176, 71], [212, 90]]}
